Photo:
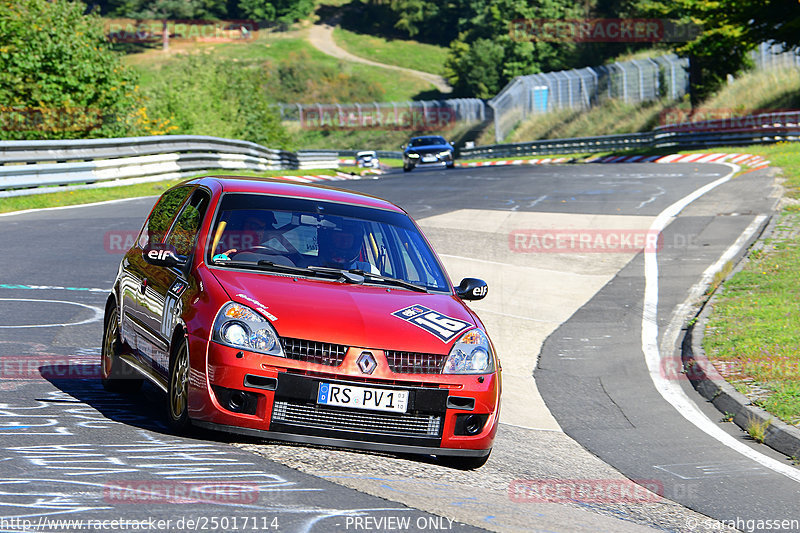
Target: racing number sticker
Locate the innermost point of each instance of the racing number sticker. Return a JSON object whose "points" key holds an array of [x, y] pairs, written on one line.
{"points": [[442, 326]]}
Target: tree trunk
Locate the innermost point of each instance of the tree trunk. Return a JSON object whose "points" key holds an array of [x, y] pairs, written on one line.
{"points": [[164, 35]]}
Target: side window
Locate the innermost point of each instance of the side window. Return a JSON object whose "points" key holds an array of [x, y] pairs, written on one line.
{"points": [[187, 225], [158, 224]]}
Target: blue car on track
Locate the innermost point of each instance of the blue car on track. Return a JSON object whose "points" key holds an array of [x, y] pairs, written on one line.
{"points": [[428, 150]]}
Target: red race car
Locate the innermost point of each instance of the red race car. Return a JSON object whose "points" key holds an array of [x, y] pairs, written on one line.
{"points": [[302, 313]]}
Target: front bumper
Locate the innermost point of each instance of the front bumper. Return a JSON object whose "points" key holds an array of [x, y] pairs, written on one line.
{"points": [[340, 443], [280, 403], [428, 160]]}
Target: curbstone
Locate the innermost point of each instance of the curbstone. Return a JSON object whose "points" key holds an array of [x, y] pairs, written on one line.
{"points": [[779, 436]]}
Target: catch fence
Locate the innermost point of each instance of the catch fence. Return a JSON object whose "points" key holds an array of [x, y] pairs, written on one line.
{"points": [[637, 80]]}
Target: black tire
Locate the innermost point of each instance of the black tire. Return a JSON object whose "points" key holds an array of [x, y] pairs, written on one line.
{"points": [[178, 389], [115, 375], [461, 462], [407, 169]]}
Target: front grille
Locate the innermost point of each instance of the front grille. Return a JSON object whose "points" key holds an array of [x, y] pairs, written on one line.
{"points": [[363, 379], [316, 416], [415, 363], [321, 353]]}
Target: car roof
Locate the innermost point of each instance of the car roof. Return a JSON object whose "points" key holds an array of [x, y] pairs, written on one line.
{"points": [[428, 137], [281, 187]]}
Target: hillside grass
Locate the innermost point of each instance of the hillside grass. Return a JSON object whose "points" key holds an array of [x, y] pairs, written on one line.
{"points": [[753, 92], [374, 84], [287, 48], [609, 118], [403, 53]]}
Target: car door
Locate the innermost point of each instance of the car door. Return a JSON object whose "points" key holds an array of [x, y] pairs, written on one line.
{"points": [[164, 286], [135, 271]]}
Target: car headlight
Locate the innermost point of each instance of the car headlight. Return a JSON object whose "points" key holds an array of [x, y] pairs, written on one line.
{"points": [[239, 326], [413, 156], [446, 153], [471, 354]]}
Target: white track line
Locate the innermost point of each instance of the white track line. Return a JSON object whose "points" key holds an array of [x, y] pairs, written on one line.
{"points": [[76, 206], [670, 390], [98, 314]]}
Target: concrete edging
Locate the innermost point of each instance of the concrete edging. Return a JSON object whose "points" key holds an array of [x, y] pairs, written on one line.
{"points": [[779, 436]]}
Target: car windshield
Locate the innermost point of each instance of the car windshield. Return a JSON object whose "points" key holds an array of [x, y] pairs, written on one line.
{"points": [[427, 141], [292, 234]]}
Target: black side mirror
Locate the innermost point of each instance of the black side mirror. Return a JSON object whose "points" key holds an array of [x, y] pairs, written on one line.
{"points": [[163, 255], [472, 289]]}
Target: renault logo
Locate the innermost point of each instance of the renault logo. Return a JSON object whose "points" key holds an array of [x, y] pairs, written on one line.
{"points": [[366, 363]]}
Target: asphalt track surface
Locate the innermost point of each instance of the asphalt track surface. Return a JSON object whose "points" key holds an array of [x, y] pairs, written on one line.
{"points": [[67, 444]]}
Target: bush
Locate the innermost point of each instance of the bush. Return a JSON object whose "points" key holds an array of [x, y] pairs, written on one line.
{"points": [[203, 95], [58, 78]]}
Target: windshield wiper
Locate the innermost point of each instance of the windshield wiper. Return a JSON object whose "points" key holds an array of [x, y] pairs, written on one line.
{"points": [[265, 265], [343, 275], [393, 281], [350, 276]]}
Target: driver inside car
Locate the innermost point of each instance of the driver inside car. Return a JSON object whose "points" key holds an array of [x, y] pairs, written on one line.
{"points": [[341, 247], [249, 232]]}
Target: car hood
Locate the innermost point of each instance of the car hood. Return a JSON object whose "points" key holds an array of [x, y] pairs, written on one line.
{"points": [[428, 148], [348, 314]]}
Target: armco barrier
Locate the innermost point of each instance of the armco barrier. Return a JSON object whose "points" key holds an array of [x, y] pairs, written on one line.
{"points": [[382, 154], [764, 128], [25, 165]]}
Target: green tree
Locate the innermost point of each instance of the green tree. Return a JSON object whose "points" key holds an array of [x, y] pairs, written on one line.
{"points": [[58, 78], [491, 30], [472, 68], [730, 30], [166, 10], [276, 10]]}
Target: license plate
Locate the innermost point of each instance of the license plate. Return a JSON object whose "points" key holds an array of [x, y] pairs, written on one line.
{"points": [[428, 158], [395, 401]]}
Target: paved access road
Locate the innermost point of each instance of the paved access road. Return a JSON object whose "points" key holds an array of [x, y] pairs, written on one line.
{"points": [[71, 451]]}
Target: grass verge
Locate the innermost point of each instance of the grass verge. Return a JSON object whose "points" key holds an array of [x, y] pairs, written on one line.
{"points": [[87, 196], [753, 332]]}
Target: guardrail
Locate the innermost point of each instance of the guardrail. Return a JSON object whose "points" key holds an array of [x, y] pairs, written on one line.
{"points": [[765, 128], [382, 154], [25, 165]]}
